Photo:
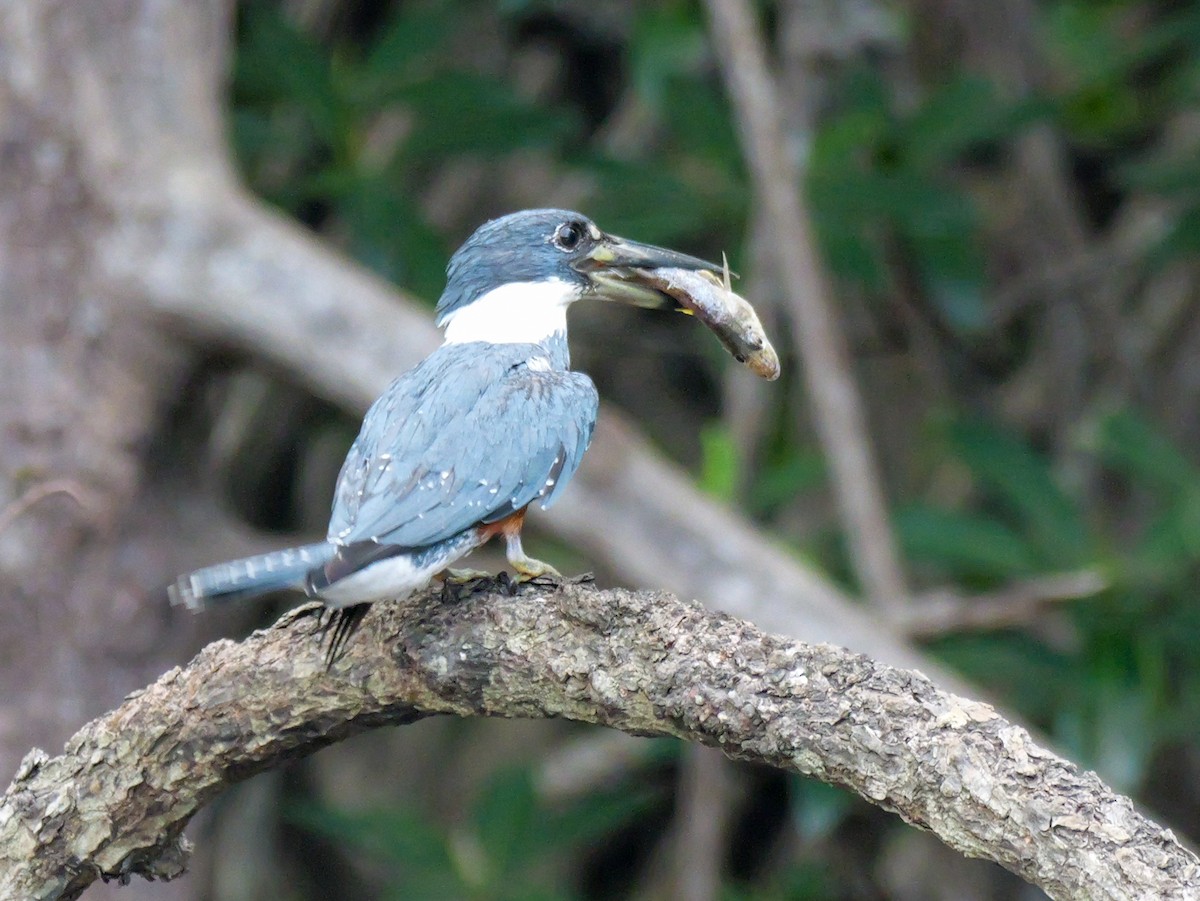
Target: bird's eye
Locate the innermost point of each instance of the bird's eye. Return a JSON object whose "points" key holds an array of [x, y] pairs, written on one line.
{"points": [[568, 235]]}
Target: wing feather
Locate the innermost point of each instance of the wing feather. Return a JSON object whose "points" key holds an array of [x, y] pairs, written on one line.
{"points": [[468, 436]]}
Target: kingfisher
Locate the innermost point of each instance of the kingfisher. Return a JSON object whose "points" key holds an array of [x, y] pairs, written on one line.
{"points": [[458, 448]]}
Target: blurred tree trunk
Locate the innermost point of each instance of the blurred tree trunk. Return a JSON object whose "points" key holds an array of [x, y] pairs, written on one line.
{"points": [[93, 102]]}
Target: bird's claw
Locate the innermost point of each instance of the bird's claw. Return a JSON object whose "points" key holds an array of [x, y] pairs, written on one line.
{"points": [[546, 576], [464, 576], [530, 570]]}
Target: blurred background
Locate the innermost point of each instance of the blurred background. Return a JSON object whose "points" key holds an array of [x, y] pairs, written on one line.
{"points": [[1004, 200]]}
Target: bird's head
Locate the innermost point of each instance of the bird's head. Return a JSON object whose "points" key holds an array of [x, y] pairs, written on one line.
{"points": [[515, 276]]}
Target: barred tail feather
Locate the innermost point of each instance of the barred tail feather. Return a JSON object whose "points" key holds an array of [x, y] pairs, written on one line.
{"points": [[250, 576]]}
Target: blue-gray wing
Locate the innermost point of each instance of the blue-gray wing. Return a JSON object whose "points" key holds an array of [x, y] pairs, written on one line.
{"points": [[472, 434]]}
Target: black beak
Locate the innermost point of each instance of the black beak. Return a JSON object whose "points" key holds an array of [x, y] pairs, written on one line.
{"points": [[613, 267]]}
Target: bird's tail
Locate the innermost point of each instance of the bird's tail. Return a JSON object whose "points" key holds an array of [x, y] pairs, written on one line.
{"points": [[250, 576]]}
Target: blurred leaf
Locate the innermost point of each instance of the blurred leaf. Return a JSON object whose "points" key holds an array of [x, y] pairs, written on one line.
{"points": [[1040, 681], [426, 868], [806, 880], [1182, 239], [504, 816], [1130, 444], [1178, 179], [667, 39], [1170, 545], [278, 61], [775, 484], [1095, 40], [1112, 731], [963, 545], [1083, 37], [589, 819], [460, 112], [848, 246], [699, 117], [390, 235], [818, 808], [937, 226], [1124, 734], [1102, 112], [966, 111], [1023, 482], [528, 893], [647, 200], [720, 464], [408, 45], [959, 300], [951, 266], [1111, 98]]}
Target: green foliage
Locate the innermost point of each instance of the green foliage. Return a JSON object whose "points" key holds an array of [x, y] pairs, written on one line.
{"points": [[499, 853], [1124, 85], [794, 472], [1110, 97], [720, 466], [346, 136], [1122, 692], [805, 881], [1025, 522], [969, 548], [1021, 481], [877, 185]]}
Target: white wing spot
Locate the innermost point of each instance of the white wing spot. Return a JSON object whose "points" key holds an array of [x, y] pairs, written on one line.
{"points": [[538, 364]]}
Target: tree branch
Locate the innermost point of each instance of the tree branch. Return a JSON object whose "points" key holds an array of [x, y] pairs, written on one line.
{"points": [[115, 802]]}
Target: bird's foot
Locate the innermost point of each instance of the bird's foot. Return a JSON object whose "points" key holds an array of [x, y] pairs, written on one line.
{"points": [[463, 576], [343, 623], [529, 569], [536, 573], [333, 625]]}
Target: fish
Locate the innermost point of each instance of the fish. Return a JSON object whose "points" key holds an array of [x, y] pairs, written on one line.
{"points": [[727, 314]]}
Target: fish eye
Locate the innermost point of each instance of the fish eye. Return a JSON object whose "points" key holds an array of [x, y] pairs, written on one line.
{"points": [[568, 235]]}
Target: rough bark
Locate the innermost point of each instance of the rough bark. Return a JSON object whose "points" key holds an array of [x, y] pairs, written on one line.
{"points": [[102, 105], [115, 802]]}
